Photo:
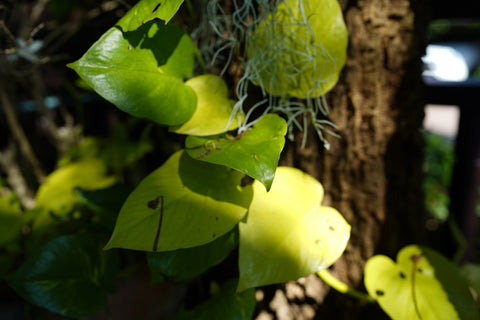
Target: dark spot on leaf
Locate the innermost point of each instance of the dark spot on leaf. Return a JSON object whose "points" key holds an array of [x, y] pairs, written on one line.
{"points": [[331, 228], [216, 218], [420, 270], [214, 235], [156, 7], [153, 204], [379, 293], [402, 275]]}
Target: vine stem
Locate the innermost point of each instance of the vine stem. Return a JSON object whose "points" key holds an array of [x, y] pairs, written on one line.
{"points": [[342, 287]]}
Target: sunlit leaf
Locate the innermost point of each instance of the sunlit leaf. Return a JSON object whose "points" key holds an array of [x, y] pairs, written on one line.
{"points": [[11, 218], [142, 71], [421, 285], [227, 304], [183, 265], [63, 277], [184, 203], [288, 234], [294, 59], [146, 10], [254, 153], [213, 107], [57, 195]]}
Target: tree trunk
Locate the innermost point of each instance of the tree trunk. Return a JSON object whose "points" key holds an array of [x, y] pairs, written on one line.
{"points": [[373, 173]]}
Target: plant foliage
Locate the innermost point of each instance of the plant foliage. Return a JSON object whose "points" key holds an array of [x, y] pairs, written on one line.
{"points": [[193, 211]]}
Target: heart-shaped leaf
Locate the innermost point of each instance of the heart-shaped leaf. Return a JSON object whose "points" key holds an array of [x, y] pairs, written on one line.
{"points": [[58, 194], [63, 277], [213, 107], [300, 49], [183, 265], [146, 10], [254, 153], [421, 285], [288, 234], [142, 71], [184, 203]]}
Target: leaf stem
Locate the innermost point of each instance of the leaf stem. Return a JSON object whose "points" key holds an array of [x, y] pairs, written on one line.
{"points": [[157, 236], [342, 287]]}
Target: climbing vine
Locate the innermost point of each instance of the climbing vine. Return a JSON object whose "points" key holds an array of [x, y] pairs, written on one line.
{"points": [[224, 189]]}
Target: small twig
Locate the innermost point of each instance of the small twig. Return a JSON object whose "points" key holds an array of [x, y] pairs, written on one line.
{"points": [[7, 32], [19, 134], [15, 178]]}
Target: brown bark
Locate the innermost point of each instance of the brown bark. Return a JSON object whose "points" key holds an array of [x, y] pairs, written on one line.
{"points": [[373, 173]]}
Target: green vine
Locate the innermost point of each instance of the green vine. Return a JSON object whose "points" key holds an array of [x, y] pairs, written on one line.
{"points": [[224, 190]]}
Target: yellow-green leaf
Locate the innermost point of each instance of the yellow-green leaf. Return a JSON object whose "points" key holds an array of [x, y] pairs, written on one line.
{"points": [[57, 195], [421, 285], [11, 218], [213, 107], [300, 49], [183, 204], [288, 234], [146, 10], [255, 152]]}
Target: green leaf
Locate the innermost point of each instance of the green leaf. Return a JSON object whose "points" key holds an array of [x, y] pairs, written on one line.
{"points": [[421, 285], [227, 304], [288, 234], [106, 203], [213, 107], [471, 272], [146, 10], [11, 218], [183, 265], [254, 153], [294, 59], [142, 71], [63, 277], [185, 203], [58, 195]]}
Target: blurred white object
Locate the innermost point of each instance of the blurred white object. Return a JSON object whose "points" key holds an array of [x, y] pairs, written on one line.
{"points": [[442, 120], [445, 63]]}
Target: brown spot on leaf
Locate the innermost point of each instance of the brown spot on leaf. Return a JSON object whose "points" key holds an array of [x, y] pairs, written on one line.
{"points": [[153, 204]]}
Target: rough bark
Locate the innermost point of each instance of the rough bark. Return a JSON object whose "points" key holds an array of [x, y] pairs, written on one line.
{"points": [[373, 173]]}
